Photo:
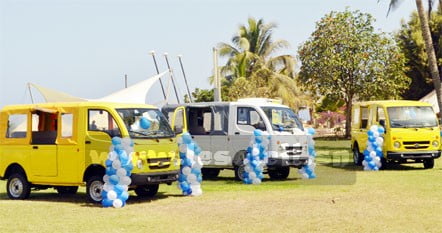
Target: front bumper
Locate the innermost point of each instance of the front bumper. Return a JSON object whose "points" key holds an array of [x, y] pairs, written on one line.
{"points": [[154, 178], [413, 155], [284, 162]]}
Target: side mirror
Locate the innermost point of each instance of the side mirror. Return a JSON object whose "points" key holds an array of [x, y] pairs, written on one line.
{"points": [[261, 126], [178, 130], [382, 123]]}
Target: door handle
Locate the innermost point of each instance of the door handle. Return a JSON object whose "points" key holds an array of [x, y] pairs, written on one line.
{"points": [[236, 133], [35, 147], [87, 142]]}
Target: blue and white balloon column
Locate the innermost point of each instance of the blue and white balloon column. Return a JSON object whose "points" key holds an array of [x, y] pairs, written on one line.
{"points": [[256, 158], [118, 170], [373, 154], [308, 170], [190, 177]]}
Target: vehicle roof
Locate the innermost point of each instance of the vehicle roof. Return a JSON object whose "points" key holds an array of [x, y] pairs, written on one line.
{"points": [[393, 103], [76, 104], [207, 104]]}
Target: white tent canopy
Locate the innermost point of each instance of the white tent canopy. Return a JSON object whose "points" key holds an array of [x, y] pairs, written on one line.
{"points": [[133, 94], [431, 99]]}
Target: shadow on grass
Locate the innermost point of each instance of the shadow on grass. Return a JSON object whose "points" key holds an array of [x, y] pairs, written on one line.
{"points": [[349, 166], [81, 198]]}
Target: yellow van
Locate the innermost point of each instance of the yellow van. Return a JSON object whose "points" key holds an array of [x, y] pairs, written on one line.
{"points": [[65, 145], [412, 131]]}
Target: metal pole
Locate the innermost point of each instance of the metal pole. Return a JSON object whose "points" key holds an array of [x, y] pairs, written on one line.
{"points": [[30, 92], [185, 79], [171, 77], [216, 78], [125, 81], [158, 72]]}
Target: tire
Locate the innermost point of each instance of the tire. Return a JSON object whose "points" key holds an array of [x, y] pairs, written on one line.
{"points": [[210, 173], [67, 190], [238, 165], [279, 173], [239, 172], [357, 157], [94, 186], [18, 187], [147, 190], [428, 163]]}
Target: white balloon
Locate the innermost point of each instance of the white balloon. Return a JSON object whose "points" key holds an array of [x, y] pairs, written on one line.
{"points": [[196, 190], [378, 163], [374, 128], [376, 134], [373, 154], [183, 148], [366, 168], [112, 155], [126, 141], [111, 195], [117, 203], [197, 164], [190, 154], [125, 180], [246, 161], [121, 172], [186, 171], [364, 163], [116, 164], [191, 178], [180, 140], [106, 179], [305, 175], [255, 151], [247, 168], [108, 187], [379, 141], [256, 181], [377, 159], [252, 175]]}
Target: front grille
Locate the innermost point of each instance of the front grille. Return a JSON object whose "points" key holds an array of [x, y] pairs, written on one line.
{"points": [[158, 163], [293, 150], [413, 145]]}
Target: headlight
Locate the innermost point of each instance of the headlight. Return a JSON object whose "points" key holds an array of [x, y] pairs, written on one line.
{"points": [[397, 144], [435, 143]]}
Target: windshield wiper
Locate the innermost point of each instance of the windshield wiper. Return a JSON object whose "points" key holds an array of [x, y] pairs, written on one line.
{"points": [[137, 132]]}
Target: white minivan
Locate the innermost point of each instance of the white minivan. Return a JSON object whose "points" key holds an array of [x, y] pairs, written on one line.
{"points": [[224, 129]]}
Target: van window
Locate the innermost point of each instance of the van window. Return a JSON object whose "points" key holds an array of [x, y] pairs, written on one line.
{"points": [[67, 124], [249, 116], [17, 126], [44, 127], [159, 127], [380, 115], [200, 120], [364, 117], [102, 120], [220, 119], [356, 116]]}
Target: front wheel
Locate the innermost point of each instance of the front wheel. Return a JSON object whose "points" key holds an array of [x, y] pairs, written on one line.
{"points": [[18, 187], [428, 163], [94, 186], [279, 173], [147, 190]]}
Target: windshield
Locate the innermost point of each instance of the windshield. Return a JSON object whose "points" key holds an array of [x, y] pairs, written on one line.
{"points": [[282, 119], [145, 123], [411, 117]]}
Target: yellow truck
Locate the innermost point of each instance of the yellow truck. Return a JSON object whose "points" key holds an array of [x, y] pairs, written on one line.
{"points": [[412, 131], [65, 145]]}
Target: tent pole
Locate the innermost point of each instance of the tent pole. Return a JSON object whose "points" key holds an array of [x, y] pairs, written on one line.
{"points": [[30, 92], [158, 72], [185, 79], [171, 77]]}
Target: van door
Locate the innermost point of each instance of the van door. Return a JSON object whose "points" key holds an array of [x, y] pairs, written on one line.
{"points": [[199, 123], [101, 128], [179, 120], [220, 142], [363, 127], [43, 148], [68, 148]]}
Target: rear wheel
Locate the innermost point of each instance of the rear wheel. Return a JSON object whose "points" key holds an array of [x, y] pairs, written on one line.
{"points": [[18, 186], [147, 190], [357, 156], [239, 172], [279, 173], [94, 186], [210, 173], [428, 163], [67, 190]]}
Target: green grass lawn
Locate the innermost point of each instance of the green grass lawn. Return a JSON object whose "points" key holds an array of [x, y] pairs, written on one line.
{"points": [[343, 198]]}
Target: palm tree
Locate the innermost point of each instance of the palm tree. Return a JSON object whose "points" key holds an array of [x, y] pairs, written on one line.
{"points": [[426, 34], [251, 63]]}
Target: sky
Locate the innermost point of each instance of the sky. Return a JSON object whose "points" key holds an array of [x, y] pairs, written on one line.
{"points": [[85, 47]]}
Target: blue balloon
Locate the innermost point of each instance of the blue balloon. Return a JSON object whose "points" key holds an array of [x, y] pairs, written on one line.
{"points": [[197, 150], [116, 141], [106, 202], [246, 180], [311, 131], [371, 138], [374, 144], [258, 139], [381, 130], [110, 171], [144, 123], [372, 164], [245, 175], [370, 133], [113, 179], [119, 189], [182, 155], [312, 176], [257, 132], [103, 194], [249, 150], [367, 158], [123, 196], [366, 153], [182, 178], [108, 163], [199, 178], [196, 171], [184, 186], [187, 138], [191, 146], [118, 148]]}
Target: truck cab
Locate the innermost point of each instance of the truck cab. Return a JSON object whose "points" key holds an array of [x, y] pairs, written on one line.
{"points": [[65, 145], [412, 133], [224, 129]]}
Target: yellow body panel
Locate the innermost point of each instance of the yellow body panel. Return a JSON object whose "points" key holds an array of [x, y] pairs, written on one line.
{"points": [[402, 135], [66, 160]]}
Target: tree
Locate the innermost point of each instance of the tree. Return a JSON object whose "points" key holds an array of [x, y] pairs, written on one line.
{"points": [[432, 63], [251, 69], [200, 95], [412, 45], [345, 59]]}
